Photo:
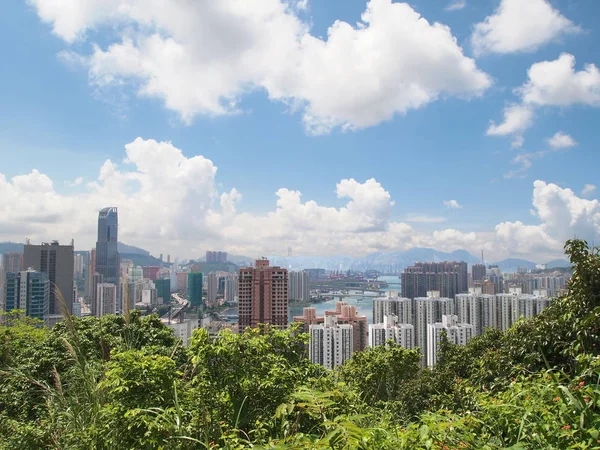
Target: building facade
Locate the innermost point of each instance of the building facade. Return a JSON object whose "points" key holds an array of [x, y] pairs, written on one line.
{"points": [[449, 277], [457, 333], [28, 290], [163, 290], [331, 343], [212, 287], [216, 257], [194, 288], [58, 262], [107, 255], [391, 304], [401, 333], [106, 299], [299, 289], [262, 295], [231, 288]]}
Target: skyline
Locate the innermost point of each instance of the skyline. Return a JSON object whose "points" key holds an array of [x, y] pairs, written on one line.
{"points": [[496, 155]]}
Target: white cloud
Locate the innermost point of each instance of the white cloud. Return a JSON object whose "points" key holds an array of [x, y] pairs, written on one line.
{"points": [[561, 140], [556, 83], [185, 213], [456, 5], [588, 189], [200, 58], [524, 162], [452, 204], [520, 26], [550, 83], [517, 119]]}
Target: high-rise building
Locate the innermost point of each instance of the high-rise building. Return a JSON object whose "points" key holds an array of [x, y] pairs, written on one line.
{"points": [[106, 299], [107, 255], [194, 288], [78, 266], [263, 295], [457, 333], [58, 262], [216, 257], [450, 278], [347, 314], [212, 287], [428, 310], [392, 304], [309, 317], [28, 290], [479, 310], [391, 329], [91, 270], [163, 290], [231, 288], [97, 279], [182, 281], [299, 289], [315, 274], [478, 272], [331, 343], [12, 262]]}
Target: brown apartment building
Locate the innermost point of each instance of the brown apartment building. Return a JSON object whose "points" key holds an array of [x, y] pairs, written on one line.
{"points": [[263, 295]]}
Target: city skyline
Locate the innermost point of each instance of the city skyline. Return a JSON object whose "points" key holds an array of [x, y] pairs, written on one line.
{"points": [[493, 156]]}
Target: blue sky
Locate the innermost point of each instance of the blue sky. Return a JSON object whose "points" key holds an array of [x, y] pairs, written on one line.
{"points": [[69, 104]]}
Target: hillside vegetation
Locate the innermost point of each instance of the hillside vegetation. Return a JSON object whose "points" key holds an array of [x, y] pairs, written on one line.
{"points": [[126, 382]]}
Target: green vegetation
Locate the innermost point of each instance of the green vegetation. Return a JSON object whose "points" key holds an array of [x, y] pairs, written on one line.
{"points": [[126, 382]]}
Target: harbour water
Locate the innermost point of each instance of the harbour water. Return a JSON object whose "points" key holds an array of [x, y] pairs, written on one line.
{"points": [[364, 305]]}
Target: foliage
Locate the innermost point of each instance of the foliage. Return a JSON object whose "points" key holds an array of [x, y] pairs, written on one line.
{"points": [[126, 382]]}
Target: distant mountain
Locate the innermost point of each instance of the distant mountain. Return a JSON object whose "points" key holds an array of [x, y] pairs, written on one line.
{"points": [[512, 264], [142, 260], [558, 263], [130, 249], [11, 247]]}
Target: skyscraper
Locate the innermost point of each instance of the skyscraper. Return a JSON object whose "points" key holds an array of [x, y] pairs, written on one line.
{"points": [[263, 295], [57, 261], [478, 272], [107, 255], [194, 288], [28, 290]]}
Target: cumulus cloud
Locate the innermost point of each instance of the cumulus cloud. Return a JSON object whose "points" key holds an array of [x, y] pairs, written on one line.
{"points": [[517, 119], [520, 26], [186, 213], [549, 83], [456, 5], [561, 140], [557, 83], [588, 189], [452, 204], [200, 58]]}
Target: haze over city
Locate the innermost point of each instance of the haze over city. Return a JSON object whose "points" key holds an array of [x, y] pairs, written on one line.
{"points": [[331, 128]]}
